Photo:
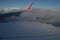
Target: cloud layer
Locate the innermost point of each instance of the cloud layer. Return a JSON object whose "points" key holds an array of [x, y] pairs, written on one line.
{"points": [[36, 15]]}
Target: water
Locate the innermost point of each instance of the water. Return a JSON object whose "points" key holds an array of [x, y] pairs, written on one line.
{"points": [[24, 30]]}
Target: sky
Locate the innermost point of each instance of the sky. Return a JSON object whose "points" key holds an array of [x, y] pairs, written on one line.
{"points": [[55, 4]]}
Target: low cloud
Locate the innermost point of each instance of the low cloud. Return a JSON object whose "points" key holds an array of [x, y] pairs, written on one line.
{"points": [[39, 15]]}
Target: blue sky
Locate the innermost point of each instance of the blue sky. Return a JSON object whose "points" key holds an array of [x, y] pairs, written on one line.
{"points": [[24, 3]]}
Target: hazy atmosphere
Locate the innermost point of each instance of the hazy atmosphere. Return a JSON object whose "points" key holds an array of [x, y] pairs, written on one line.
{"points": [[42, 22]]}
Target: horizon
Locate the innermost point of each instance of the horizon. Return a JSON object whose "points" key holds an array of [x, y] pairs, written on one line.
{"points": [[48, 4]]}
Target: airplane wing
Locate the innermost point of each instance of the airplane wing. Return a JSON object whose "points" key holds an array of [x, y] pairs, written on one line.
{"points": [[15, 13]]}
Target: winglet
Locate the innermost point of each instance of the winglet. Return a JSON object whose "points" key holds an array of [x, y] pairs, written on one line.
{"points": [[29, 7]]}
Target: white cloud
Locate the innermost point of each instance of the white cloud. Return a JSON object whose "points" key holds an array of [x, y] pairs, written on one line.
{"points": [[38, 15]]}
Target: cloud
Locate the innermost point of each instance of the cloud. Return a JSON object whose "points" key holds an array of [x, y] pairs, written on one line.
{"points": [[47, 16], [5, 10], [37, 15]]}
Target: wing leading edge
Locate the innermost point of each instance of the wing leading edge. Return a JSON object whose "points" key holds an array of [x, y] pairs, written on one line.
{"points": [[4, 15]]}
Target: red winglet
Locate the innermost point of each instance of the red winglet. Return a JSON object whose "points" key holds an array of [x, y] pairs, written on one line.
{"points": [[29, 7]]}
